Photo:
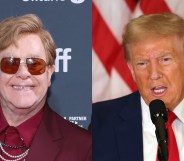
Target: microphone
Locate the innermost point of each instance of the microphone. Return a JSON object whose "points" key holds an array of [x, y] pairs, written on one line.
{"points": [[159, 117]]}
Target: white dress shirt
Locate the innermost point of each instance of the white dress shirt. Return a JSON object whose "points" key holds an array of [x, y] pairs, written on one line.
{"points": [[149, 138]]}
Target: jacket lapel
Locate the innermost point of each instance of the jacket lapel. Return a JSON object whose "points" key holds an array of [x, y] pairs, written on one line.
{"points": [[44, 146], [128, 131]]}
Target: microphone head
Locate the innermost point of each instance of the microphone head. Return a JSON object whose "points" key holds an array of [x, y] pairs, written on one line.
{"points": [[157, 109]]}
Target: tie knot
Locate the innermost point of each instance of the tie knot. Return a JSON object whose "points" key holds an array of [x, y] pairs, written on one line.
{"points": [[11, 131], [171, 117], [13, 137]]}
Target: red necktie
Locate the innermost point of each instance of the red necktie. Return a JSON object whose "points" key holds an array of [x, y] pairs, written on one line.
{"points": [[13, 139], [172, 145], [13, 144]]}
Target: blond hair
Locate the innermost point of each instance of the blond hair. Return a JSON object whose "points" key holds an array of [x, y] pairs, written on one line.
{"points": [[152, 26], [12, 28]]}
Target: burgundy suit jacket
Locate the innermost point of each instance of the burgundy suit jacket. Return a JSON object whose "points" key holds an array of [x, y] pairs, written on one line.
{"points": [[59, 140]]}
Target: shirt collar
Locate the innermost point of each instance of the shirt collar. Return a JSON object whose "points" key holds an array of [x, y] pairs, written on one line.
{"points": [[3, 122], [27, 129], [146, 118], [179, 111]]}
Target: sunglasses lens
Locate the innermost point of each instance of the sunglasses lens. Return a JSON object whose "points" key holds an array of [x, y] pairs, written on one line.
{"points": [[10, 65], [36, 66]]}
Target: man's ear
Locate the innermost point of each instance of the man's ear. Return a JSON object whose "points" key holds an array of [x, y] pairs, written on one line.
{"points": [[131, 69]]}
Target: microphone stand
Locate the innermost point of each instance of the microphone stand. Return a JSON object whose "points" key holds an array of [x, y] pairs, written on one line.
{"points": [[162, 149], [160, 156]]}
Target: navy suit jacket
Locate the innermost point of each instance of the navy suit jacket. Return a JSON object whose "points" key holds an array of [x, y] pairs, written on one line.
{"points": [[117, 129], [59, 140]]}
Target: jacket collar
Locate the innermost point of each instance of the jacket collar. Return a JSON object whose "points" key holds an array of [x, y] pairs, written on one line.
{"points": [[44, 146]]}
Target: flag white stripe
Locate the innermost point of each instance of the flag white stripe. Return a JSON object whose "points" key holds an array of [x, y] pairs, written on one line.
{"points": [[116, 14], [137, 11], [118, 86], [176, 6], [100, 80]]}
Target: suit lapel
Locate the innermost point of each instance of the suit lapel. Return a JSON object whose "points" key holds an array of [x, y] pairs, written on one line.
{"points": [[128, 131], [44, 146]]}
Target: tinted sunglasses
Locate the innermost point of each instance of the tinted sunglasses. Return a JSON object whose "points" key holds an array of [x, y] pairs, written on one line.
{"points": [[11, 65]]}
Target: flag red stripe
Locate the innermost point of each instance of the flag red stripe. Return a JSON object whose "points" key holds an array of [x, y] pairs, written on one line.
{"points": [[131, 4], [154, 6], [100, 39], [107, 48], [123, 70]]}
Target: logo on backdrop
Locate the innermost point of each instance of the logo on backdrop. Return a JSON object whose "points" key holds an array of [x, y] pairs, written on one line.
{"points": [[77, 1], [62, 55], [73, 1], [78, 120]]}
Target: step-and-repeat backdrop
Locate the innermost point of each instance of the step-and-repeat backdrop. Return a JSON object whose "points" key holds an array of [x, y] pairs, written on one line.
{"points": [[69, 22]]}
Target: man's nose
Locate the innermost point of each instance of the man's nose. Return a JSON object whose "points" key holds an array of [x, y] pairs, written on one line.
{"points": [[155, 71], [23, 71]]}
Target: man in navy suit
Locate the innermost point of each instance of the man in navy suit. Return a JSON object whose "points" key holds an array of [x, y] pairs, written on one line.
{"points": [[154, 52]]}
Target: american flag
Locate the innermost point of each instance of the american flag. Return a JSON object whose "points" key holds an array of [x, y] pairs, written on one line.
{"points": [[111, 77]]}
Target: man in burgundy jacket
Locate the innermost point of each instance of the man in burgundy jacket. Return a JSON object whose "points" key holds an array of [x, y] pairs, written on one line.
{"points": [[29, 129]]}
